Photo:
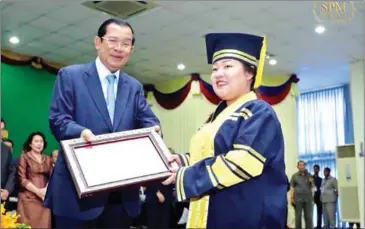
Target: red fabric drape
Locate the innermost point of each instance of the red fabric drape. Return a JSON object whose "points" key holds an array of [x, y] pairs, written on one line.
{"points": [[207, 92], [172, 100], [36, 62], [272, 95]]}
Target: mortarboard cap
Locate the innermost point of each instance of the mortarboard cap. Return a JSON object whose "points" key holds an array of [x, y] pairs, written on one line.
{"points": [[247, 48]]}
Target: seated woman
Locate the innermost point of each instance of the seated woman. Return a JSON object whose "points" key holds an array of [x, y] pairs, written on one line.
{"points": [[235, 175], [34, 170]]}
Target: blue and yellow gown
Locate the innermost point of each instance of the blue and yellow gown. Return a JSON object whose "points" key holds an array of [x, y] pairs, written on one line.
{"points": [[234, 175]]}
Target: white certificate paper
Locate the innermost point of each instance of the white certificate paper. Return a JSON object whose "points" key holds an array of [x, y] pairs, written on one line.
{"points": [[107, 163]]}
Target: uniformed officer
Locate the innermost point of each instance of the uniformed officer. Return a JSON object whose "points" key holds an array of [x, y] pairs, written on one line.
{"points": [[301, 196]]}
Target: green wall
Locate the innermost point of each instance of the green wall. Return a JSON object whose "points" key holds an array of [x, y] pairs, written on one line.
{"points": [[25, 97]]}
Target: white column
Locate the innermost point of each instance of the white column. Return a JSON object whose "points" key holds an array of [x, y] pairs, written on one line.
{"points": [[286, 111], [357, 100]]}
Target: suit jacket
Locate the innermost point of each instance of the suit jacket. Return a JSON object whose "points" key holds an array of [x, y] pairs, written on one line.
{"points": [[8, 170], [317, 193], [78, 103]]}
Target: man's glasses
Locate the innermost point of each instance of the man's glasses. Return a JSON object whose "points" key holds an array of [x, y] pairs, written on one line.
{"points": [[113, 42]]}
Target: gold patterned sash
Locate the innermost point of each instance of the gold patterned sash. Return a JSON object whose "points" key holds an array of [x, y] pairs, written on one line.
{"points": [[202, 146]]}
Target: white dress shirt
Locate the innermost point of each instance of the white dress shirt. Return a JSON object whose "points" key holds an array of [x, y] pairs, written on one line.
{"points": [[103, 72]]}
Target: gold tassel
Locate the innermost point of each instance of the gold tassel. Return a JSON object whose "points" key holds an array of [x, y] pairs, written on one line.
{"points": [[149, 98], [260, 68]]}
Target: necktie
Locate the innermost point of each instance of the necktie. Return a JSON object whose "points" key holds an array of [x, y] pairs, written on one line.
{"points": [[110, 98]]}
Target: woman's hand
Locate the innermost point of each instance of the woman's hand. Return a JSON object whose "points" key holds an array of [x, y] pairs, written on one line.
{"points": [[171, 179], [41, 193], [175, 158]]}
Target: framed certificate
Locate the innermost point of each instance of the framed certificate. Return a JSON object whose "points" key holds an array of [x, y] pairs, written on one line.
{"points": [[115, 160]]}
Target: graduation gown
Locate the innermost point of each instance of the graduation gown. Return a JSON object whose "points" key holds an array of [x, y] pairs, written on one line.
{"points": [[234, 175]]}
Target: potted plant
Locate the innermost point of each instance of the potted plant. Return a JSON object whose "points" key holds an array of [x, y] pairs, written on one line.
{"points": [[9, 219]]}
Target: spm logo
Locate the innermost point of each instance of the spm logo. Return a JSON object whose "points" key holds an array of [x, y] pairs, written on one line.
{"points": [[338, 11]]}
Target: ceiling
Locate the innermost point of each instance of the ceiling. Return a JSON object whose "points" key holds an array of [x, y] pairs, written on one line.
{"points": [[172, 33]]}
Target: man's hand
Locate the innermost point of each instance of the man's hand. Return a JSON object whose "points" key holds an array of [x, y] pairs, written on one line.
{"points": [[87, 135], [157, 129], [4, 194], [160, 197]]}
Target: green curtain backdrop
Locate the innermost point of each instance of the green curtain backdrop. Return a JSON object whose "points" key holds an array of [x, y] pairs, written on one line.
{"points": [[25, 98]]}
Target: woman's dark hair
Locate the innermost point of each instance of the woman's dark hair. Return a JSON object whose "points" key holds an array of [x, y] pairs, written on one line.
{"points": [[26, 145], [252, 70], [120, 22]]}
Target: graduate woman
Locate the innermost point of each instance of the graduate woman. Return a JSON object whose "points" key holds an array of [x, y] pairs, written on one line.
{"points": [[235, 175]]}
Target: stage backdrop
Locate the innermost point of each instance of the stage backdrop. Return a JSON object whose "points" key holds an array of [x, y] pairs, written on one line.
{"points": [[25, 97]]}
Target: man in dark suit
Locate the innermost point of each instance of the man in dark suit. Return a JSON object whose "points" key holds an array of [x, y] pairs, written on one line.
{"points": [[8, 172], [317, 194], [93, 99]]}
